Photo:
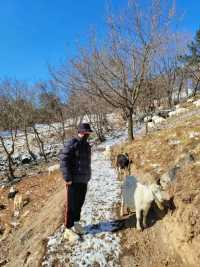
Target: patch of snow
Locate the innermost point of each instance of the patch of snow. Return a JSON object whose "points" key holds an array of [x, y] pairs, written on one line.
{"points": [[190, 100], [197, 103], [174, 142], [178, 111], [193, 134]]}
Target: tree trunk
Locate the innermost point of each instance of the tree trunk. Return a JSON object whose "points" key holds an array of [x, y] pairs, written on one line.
{"points": [[169, 98], [11, 175], [146, 128], [63, 133], [9, 154], [62, 121], [40, 143], [97, 124], [27, 144], [179, 90], [196, 88], [130, 126]]}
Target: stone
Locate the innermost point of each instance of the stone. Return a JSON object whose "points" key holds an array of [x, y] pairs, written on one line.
{"points": [[70, 236]]}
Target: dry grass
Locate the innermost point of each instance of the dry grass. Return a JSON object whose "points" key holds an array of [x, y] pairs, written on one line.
{"points": [[153, 155]]}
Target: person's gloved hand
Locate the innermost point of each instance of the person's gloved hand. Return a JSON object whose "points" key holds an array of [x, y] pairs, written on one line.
{"points": [[68, 183]]}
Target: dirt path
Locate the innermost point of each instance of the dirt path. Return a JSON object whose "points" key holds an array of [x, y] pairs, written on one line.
{"points": [[100, 245], [26, 245]]}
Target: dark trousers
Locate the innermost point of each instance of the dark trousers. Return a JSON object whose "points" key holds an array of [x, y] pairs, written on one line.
{"points": [[75, 197]]}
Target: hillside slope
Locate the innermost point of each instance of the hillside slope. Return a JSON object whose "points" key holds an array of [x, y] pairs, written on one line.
{"points": [[174, 240], [25, 245]]}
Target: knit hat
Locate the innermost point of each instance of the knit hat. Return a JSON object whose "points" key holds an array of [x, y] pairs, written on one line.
{"points": [[84, 128]]}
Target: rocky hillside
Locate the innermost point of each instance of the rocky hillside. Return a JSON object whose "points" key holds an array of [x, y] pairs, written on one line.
{"points": [[171, 239], [174, 145]]}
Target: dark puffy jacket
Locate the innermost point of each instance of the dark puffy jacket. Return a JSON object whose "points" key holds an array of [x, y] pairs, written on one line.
{"points": [[75, 161]]}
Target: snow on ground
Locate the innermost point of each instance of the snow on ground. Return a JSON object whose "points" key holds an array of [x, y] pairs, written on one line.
{"points": [[100, 246]]}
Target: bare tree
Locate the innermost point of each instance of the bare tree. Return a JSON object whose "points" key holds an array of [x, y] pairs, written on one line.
{"points": [[26, 109], [9, 121], [118, 71], [52, 108], [95, 110]]}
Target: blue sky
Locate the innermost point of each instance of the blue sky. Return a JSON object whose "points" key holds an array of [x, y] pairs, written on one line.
{"points": [[35, 33]]}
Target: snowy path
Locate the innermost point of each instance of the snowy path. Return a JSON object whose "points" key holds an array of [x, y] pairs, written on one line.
{"points": [[100, 246]]}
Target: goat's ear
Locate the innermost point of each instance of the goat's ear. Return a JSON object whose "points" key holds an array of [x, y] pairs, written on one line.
{"points": [[158, 182]]}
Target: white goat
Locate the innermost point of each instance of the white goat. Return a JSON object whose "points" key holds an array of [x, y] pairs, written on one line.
{"points": [[53, 168], [143, 196], [107, 152], [147, 119], [197, 103], [190, 100], [165, 181], [150, 125], [177, 111], [157, 119]]}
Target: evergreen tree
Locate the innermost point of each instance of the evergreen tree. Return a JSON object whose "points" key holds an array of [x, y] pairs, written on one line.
{"points": [[192, 62], [193, 58]]}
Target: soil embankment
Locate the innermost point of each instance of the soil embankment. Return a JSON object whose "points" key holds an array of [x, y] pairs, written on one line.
{"points": [[26, 242], [172, 239]]}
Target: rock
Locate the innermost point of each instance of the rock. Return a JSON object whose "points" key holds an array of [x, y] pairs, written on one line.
{"points": [[52, 242], [171, 174], [3, 262], [26, 213], [26, 159], [197, 103], [16, 213], [163, 113], [6, 230], [70, 236], [16, 157], [2, 229], [2, 206], [12, 192], [14, 224]]}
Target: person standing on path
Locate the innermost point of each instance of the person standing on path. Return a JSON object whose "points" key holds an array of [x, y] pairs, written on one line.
{"points": [[75, 165]]}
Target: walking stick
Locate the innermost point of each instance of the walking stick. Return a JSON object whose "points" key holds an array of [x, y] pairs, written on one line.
{"points": [[66, 213]]}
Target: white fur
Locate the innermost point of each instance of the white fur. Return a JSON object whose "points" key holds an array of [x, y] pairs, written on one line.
{"points": [[177, 111], [197, 103], [190, 100], [150, 124], [107, 152], [53, 168], [143, 197], [157, 119], [165, 181], [147, 118]]}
